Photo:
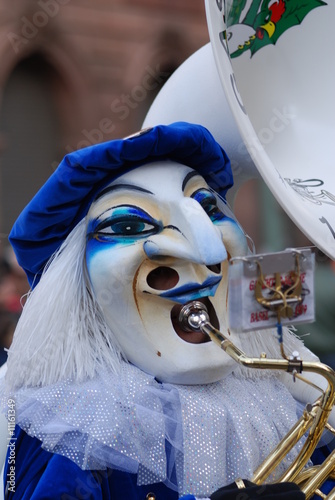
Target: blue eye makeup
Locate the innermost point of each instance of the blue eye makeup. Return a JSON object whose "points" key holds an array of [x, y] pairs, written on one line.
{"points": [[209, 203], [123, 224]]}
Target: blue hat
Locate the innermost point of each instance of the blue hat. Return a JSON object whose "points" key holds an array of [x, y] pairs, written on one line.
{"points": [[66, 197]]}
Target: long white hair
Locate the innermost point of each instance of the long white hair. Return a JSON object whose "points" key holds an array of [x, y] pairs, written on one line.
{"points": [[61, 332]]}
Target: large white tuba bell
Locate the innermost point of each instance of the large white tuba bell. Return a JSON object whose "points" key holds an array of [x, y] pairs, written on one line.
{"points": [[268, 96]]}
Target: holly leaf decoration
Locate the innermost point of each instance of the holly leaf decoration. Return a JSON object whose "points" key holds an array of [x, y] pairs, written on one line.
{"points": [[294, 14]]}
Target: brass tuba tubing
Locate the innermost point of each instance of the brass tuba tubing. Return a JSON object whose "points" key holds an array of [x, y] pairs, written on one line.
{"points": [[319, 476], [194, 317]]}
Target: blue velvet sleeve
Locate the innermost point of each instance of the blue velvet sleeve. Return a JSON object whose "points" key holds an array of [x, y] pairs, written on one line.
{"points": [[40, 475]]}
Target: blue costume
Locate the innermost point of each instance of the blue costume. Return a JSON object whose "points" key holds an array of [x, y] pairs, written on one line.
{"points": [[40, 230], [40, 474]]}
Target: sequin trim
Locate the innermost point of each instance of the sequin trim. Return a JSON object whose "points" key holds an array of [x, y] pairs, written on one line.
{"points": [[194, 439]]}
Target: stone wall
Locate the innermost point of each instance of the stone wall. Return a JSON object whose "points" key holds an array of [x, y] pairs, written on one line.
{"points": [[77, 72]]}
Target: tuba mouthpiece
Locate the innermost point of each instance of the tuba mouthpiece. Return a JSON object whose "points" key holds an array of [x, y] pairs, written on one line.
{"points": [[193, 315]]}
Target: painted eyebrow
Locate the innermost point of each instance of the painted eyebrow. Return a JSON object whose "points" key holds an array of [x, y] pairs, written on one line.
{"points": [[130, 187], [189, 176]]}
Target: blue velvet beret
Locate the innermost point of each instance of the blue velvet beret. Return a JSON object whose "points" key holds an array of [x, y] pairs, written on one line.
{"points": [[65, 198]]}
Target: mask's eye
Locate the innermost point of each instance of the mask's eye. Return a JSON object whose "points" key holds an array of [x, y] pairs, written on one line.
{"points": [[126, 226], [125, 222], [208, 202]]}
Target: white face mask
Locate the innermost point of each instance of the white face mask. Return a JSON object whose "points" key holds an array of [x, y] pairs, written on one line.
{"points": [[157, 238]]}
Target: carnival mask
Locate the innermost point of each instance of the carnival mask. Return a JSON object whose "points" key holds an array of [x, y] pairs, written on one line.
{"points": [[157, 238]]}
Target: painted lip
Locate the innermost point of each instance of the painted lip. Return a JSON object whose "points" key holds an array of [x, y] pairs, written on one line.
{"points": [[192, 291]]}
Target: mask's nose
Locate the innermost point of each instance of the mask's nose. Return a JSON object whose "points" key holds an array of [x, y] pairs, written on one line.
{"points": [[191, 236]]}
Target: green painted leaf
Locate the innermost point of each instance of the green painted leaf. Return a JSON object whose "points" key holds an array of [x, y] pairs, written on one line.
{"points": [[295, 12]]}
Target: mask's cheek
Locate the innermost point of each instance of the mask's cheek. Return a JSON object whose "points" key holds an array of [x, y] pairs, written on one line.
{"points": [[112, 272], [233, 238]]}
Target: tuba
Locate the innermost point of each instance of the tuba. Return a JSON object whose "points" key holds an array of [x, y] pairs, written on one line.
{"points": [[193, 316], [263, 86]]}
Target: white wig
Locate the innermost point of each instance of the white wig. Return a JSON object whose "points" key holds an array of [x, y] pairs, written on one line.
{"points": [[61, 332]]}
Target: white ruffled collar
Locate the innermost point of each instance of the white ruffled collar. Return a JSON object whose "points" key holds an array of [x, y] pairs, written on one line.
{"points": [[194, 439]]}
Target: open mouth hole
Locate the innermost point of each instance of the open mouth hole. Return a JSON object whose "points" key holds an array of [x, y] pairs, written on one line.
{"points": [[194, 337], [163, 278]]}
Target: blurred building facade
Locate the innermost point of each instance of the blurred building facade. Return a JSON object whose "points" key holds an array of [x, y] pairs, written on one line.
{"points": [[78, 72]]}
